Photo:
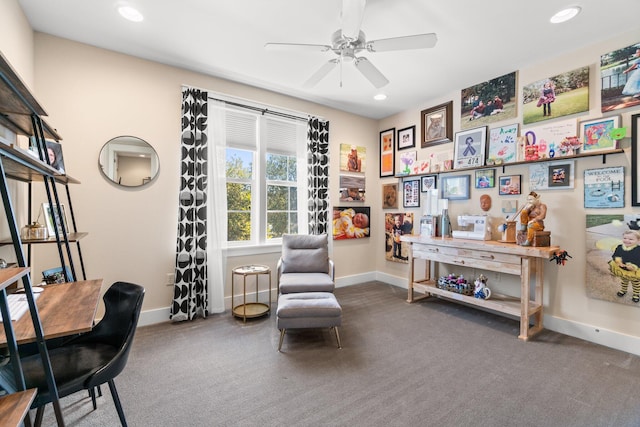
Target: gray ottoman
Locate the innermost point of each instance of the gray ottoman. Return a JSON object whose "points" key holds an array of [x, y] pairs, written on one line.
{"points": [[308, 310]]}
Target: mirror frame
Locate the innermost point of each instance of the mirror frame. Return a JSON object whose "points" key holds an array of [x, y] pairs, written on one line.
{"points": [[126, 144]]}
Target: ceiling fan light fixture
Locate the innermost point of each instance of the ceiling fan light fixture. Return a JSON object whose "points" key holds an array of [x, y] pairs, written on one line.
{"points": [[380, 97], [565, 14], [130, 13]]}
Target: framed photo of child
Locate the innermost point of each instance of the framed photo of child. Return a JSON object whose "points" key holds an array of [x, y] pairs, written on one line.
{"points": [[54, 151]]}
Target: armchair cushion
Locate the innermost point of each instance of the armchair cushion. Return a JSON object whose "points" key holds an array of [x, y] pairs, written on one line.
{"points": [[305, 282], [305, 253]]}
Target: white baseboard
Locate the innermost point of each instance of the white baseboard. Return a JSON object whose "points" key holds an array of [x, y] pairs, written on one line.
{"points": [[151, 317], [594, 334]]}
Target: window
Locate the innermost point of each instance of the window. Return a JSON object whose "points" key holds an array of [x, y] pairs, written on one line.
{"points": [[266, 176]]}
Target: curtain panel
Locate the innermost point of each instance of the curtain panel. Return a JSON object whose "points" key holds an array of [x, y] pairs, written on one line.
{"points": [[318, 175], [190, 288]]}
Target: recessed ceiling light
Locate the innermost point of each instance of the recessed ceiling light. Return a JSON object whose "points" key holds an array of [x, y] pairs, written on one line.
{"points": [[130, 13], [565, 14], [380, 97]]}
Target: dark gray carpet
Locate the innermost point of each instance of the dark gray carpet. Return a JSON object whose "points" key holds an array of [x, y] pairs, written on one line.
{"points": [[432, 363]]}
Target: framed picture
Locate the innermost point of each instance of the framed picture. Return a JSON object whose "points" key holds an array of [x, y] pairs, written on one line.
{"points": [[352, 188], [387, 157], [635, 159], [619, 78], [54, 150], [351, 223], [604, 188], [50, 212], [509, 185], [503, 145], [428, 182], [599, 135], [411, 191], [437, 125], [469, 148], [390, 196], [455, 187], [556, 96], [352, 158], [488, 102], [486, 178], [407, 138], [557, 175]]}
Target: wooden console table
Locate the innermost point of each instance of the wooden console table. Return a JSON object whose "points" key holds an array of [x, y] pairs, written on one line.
{"points": [[506, 258]]}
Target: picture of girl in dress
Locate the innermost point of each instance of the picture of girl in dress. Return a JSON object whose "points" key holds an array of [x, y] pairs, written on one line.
{"points": [[625, 264], [632, 87], [547, 96]]}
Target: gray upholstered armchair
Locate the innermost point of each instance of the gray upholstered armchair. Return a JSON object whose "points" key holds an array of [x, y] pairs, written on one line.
{"points": [[305, 265]]}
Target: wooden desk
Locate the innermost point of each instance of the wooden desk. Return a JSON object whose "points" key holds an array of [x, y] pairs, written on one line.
{"points": [[506, 258], [65, 309]]}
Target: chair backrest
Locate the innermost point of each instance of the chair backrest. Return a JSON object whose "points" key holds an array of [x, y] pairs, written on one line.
{"points": [[123, 304], [305, 253]]}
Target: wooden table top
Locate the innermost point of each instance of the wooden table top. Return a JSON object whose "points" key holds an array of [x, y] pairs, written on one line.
{"points": [[14, 407], [65, 309]]}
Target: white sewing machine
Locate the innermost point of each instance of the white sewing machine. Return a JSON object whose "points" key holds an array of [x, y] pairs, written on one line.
{"points": [[476, 227]]}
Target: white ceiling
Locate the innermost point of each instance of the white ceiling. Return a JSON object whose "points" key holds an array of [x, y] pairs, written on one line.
{"points": [[477, 41]]}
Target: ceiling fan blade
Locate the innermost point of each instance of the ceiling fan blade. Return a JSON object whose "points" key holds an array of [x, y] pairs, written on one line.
{"points": [[321, 73], [371, 73], [418, 41], [298, 46], [351, 17]]}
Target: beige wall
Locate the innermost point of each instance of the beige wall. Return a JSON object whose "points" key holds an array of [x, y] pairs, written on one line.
{"points": [[567, 307], [16, 40], [95, 95]]}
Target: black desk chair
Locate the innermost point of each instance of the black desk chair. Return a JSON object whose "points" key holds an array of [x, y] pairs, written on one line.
{"points": [[94, 358]]}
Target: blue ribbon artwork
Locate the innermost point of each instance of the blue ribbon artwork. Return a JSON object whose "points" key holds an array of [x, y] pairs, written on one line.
{"points": [[469, 151]]}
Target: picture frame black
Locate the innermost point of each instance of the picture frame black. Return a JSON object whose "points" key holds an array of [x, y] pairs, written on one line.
{"points": [[411, 193], [407, 138], [387, 153], [433, 130], [635, 161], [428, 182], [470, 148]]}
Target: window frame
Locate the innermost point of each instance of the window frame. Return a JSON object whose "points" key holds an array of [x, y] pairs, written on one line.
{"points": [[259, 243]]}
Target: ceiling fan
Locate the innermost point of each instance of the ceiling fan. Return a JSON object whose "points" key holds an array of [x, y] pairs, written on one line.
{"points": [[349, 41]]}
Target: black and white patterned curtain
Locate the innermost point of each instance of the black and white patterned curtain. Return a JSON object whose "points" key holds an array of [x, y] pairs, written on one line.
{"points": [[190, 289], [318, 175]]}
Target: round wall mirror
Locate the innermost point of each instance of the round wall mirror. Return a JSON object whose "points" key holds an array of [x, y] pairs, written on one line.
{"points": [[129, 161]]}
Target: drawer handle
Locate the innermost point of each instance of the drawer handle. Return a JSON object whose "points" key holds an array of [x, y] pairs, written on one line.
{"points": [[459, 261], [487, 256], [433, 250]]}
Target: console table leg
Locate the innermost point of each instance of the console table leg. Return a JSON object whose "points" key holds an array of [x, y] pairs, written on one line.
{"points": [[525, 283]]}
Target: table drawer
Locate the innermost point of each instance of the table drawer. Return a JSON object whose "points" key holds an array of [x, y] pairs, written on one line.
{"points": [[506, 263]]}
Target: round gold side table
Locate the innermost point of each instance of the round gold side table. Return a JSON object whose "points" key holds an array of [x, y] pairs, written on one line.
{"points": [[250, 309]]}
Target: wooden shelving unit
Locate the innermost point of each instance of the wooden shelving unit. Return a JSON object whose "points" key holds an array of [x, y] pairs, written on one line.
{"points": [[22, 114], [14, 407], [604, 155]]}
